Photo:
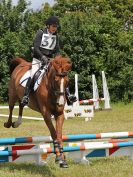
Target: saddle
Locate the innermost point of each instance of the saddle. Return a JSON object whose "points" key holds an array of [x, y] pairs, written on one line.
{"points": [[36, 80]]}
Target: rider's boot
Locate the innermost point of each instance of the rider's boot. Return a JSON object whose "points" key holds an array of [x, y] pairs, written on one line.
{"points": [[70, 97], [25, 99]]}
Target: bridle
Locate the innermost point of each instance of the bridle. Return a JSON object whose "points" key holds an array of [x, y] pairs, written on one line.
{"points": [[63, 74], [57, 92]]}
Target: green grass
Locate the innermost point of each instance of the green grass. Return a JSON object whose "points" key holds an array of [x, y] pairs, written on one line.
{"points": [[119, 119]]}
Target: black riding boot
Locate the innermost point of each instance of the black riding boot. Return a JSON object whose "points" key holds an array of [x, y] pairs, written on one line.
{"points": [[25, 98], [70, 98]]}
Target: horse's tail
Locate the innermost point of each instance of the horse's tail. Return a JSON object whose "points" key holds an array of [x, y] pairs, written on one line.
{"points": [[14, 63]]}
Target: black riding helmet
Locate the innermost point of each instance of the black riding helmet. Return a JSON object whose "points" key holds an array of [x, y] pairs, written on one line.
{"points": [[53, 20]]}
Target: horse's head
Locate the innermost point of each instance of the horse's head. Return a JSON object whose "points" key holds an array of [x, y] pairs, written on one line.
{"points": [[61, 66]]}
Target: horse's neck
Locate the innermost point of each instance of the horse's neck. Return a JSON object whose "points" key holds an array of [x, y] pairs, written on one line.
{"points": [[51, 74], [49, 77]]}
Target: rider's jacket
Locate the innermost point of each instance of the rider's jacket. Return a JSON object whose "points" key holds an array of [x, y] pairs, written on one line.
{"points": [[46, 44]]}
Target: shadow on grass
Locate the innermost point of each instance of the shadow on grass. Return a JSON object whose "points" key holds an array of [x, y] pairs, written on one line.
{"points": [[31, 169]]}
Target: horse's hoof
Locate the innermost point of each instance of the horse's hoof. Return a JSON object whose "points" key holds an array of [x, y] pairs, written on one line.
{"points": [[14, 125], [7, 125], [63, 164], [57, 159]]}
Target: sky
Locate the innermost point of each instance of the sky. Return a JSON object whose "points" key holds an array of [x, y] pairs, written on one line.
{"points": [[36, 4]]}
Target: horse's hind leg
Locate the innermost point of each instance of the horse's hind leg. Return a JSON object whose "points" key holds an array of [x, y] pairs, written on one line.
{"points": [[12, 102], [19, 121], [8, 124]]}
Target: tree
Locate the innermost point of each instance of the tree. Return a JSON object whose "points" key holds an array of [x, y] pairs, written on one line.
{"points": [[96, 35], [12, 41]]}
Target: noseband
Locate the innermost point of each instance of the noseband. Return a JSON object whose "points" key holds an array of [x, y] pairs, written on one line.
{"points": [[61, 74]]}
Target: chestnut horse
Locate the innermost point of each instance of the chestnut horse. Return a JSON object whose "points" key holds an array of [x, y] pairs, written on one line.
{"points": [[49, 99]]}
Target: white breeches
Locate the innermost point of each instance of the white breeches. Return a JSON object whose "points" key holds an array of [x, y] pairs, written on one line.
{"points": [[35, 66]]}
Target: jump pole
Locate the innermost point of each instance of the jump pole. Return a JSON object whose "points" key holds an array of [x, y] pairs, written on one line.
{"points": [[76, 91], [95, 100], [24, 117], [119, 151], [77, 151], [6, 107], [105, 92], [85, 146], [66, 138], [77, 110]]}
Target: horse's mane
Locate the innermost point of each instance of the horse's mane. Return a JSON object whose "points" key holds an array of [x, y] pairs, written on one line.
{"points": [[61, 64], [14, 63]]}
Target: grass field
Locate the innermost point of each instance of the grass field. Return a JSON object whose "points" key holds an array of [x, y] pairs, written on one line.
{"points": [[119, 119]]}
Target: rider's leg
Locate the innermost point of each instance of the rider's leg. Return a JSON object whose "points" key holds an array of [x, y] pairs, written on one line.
{"points": [[25, 98], [70, 98], [35, 66]]}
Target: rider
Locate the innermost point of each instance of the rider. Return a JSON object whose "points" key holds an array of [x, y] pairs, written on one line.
{"points": [[46, 45]]}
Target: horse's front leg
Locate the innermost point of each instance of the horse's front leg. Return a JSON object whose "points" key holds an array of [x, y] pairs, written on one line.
{"points": [[19, 121], [47, 118], [60, 157], [57, 140]]}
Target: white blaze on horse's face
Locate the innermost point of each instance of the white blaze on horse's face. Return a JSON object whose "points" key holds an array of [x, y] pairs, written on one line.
{"points": [[61, 98]]}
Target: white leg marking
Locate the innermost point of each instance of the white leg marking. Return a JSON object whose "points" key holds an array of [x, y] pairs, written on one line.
{"points": [[18, 122]]}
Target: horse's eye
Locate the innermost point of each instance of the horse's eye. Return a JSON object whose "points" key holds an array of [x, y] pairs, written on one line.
{"points": [[56, 78]]}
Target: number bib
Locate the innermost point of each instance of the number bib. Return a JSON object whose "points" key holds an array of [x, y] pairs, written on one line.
{"points": [[48, 41]]}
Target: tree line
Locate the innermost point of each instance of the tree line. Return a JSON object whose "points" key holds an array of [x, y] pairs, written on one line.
{"points": [[95, 34]]}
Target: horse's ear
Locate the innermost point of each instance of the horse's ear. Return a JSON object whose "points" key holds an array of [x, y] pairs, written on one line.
{"points": [[62, 64], [68, 66], [55, 64]]}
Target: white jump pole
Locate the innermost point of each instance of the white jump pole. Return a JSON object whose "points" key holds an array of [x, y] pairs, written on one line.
{"points": [[76, 91], [95, 92], [105, 92]]}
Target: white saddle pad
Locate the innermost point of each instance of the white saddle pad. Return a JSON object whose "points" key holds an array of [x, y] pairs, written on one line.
{"points": [[25, 77]]}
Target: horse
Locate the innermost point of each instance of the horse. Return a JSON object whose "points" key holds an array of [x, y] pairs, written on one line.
{"points": [[49, 99]]}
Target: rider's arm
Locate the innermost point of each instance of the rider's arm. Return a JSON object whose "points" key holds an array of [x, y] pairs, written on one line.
{"points": [[37, 43]]}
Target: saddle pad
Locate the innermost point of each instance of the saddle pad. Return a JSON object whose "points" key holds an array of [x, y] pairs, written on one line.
{"points": [[25, 77]]}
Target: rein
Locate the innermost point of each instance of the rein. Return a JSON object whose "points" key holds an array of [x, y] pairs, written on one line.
{"points": [[30, 64]]}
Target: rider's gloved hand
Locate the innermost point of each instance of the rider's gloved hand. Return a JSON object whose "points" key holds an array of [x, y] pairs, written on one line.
{"points": [[44, 60]]}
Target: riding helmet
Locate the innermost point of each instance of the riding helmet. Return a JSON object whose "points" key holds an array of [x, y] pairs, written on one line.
{"points": [[53, 20]]}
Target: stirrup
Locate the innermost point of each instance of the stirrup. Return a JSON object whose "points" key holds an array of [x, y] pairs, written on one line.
{"points": [[25, 101]]}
